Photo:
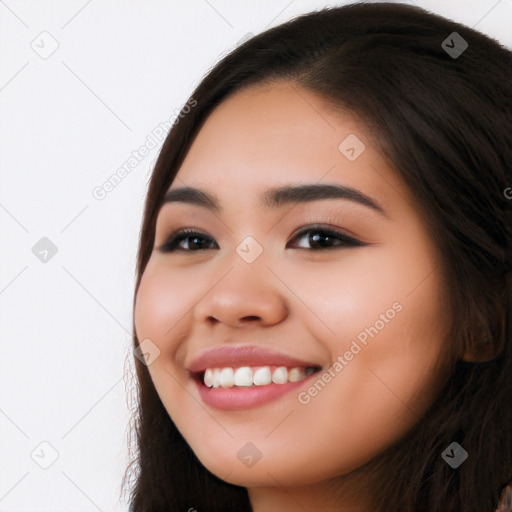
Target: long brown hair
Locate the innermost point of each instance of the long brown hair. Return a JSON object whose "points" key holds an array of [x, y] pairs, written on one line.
{"points": [[444, 121]]}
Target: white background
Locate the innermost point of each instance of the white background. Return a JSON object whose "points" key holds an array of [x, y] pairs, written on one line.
{"points": [[67, 123]]}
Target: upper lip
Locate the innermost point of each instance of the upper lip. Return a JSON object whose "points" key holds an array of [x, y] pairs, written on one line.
{"points": [[248, 355]]}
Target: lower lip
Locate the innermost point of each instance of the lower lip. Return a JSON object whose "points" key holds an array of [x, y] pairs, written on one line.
{"points": [[236, 398]]}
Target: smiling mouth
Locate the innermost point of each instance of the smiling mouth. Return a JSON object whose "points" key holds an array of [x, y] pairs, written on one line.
{"points": [[252, 376]]}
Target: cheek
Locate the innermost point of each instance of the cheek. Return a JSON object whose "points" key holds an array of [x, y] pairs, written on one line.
{"points": [[160, 315], [341, 299], [160, 304], [388, 324], [389, 298]]}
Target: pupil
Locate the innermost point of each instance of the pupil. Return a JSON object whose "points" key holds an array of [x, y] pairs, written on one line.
{"points": [[194, 241], [315, 239]]}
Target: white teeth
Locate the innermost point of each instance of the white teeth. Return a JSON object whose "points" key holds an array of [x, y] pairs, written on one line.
{"points": [[227, 377], [280, 375], [216, 378], [245, 376], [208, 378], [262, 376], [296, 374]]}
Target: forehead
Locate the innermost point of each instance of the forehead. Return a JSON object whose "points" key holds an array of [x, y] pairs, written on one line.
{"points": [[271, 135], [273, 123]]}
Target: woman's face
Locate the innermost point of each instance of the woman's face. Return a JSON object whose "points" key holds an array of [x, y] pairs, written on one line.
{"points": [[362, 304]]}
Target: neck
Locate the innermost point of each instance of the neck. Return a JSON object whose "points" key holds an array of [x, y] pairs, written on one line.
{"points": [[338, 495]]}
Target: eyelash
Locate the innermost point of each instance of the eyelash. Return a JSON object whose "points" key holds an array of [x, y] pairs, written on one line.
{"points": [[347, 241]]}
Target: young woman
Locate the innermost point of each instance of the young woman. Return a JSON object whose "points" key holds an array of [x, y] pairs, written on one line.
{"points": [[324, 288]]}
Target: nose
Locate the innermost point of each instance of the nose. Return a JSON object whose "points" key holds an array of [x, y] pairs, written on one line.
{"points": [[243, 296]]}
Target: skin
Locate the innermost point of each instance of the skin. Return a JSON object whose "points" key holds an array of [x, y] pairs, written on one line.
{"points": [[306, 303]]}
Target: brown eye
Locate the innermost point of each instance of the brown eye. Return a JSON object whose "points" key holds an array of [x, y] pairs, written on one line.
{"points": [[319, 238], [194, 239], [322, 238]]}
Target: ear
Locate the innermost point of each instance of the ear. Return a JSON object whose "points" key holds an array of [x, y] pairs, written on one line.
{"points": [[480, 353], [484, 344]]}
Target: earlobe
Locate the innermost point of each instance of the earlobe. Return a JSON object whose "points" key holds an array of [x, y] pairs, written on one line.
{"points": [[483, 346], [481, 352], [486, 332]]}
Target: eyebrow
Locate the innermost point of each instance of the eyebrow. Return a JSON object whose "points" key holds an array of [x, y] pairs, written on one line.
{"points": [[275, 197]]}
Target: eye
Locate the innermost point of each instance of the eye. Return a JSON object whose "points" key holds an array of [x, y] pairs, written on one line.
{"points": [[193, 238], [322, 238], [319, 237]]}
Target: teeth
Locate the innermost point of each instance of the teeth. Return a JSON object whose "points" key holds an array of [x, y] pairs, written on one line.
{"points": [[280, 375], [208, 378], [243, 376], [216, 378], [296, 374], [227, 377], [262, 376], [246, 376]]}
